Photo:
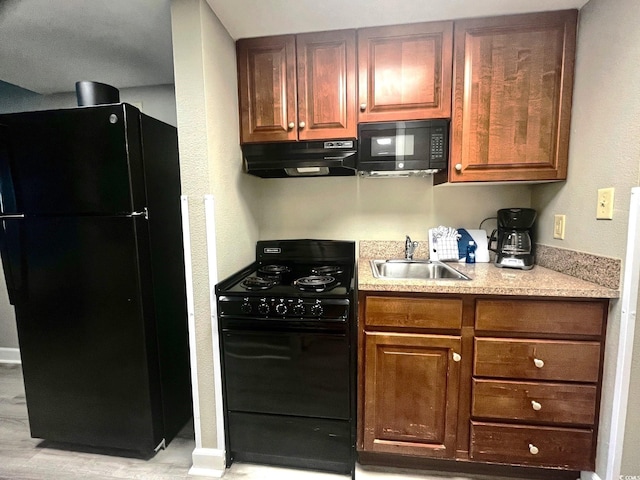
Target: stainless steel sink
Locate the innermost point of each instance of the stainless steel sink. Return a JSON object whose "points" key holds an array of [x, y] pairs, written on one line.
{"points": [[431, 270]]}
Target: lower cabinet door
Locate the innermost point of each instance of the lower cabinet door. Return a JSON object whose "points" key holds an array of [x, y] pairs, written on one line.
{"points": [[568, 448], [411, 394]]}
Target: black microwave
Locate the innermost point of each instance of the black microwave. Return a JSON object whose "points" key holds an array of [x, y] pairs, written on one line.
{"points": [[410, 147]]}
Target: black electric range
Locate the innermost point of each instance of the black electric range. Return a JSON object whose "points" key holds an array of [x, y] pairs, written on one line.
{"points": [[288, 344]]}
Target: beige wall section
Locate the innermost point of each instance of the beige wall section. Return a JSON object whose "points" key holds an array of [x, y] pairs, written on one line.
{"points": [[604, 152], [354, 208], [236, 194], [207, 113]]}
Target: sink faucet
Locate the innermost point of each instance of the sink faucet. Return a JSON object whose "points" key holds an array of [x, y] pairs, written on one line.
{"points": [[409, 248]]}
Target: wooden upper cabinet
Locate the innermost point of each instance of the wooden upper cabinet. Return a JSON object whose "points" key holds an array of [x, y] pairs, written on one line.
{"points": [[267, 88], [513, 80], [327, 85], [297, 87], [405, 71]]}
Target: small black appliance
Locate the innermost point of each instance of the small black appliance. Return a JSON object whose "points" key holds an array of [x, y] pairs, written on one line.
{"points": [[515, 246], [410, 148]]}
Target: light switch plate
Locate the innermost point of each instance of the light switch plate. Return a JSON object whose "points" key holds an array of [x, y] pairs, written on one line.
{"points": [[558, 226], [605, 204]]}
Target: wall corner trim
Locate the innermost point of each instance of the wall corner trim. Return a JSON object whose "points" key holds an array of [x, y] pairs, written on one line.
{"points": [[208, 462], [10, 355], [589, 476]]}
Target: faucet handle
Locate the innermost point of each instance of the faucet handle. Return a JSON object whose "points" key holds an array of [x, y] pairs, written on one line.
{"points": [[409, 248]]}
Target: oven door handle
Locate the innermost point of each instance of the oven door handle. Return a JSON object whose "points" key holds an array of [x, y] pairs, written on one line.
{"points": [[285, 331]]}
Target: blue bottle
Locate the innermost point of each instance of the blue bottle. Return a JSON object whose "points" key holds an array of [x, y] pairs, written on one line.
{"points": [[471, 252]]}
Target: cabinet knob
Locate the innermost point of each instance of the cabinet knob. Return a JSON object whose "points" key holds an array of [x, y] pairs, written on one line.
{"points": [[533, 450], [458, 167], [291, 125], [363, 107], [302, 125], [456, 357], [538, 363], [536, 405]]}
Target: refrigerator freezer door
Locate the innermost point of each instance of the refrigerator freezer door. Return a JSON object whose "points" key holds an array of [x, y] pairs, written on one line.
{"points": [[87, 332], [74, 161]]}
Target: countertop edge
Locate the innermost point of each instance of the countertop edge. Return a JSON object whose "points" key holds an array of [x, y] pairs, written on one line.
{"points": [[486, 279]]}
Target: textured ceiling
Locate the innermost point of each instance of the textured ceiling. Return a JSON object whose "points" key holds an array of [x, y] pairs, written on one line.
{"points": [[253, 18], [46, 46]]}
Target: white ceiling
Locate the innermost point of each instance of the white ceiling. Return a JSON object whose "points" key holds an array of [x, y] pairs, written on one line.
{"points": [[46, 46], [253, 18]]}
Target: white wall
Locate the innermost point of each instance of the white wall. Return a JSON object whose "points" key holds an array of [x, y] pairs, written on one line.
{"points": [[604, 152], [630, 458], [158, 101]]}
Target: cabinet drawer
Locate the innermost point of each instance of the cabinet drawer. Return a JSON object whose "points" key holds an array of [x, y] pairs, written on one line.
{"points": [[537, 359], [568, 448], [437, 313], [534, 402], [539, 316]]}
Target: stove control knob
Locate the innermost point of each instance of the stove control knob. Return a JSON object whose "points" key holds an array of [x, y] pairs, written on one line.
{"points": [[263, 308], [298, 309], [281, 309], [317, 310], [245, 307]]}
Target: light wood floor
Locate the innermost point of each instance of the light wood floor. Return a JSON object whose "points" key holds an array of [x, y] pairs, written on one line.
{"points": [[26, 458]]}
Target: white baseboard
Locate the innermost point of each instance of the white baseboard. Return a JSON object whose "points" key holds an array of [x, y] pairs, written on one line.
{"points": [[589, 476], [208, 462], [9, 355]]}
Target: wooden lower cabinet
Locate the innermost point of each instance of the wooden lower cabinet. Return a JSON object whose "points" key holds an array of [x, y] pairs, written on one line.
{"points": [[532, 445], [534, 402], [480, 379], [411, 393]]}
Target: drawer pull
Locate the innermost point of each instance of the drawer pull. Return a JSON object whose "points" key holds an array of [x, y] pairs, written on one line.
{"points": [[456, 357], [536, 405], [533, 450], [538, 363]]}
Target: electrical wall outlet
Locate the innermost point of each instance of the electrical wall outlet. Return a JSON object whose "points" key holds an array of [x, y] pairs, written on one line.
{"points": [[605, 204], [558, 226]]}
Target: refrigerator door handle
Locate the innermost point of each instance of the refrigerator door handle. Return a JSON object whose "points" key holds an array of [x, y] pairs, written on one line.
{"points": [[15, 215], [144, 213]]}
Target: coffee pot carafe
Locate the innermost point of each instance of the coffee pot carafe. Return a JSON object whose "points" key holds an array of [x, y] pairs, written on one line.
{"points": [[514, 238]]}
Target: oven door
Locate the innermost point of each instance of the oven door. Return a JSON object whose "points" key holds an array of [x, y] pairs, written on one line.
{"points": [[287, 370]]}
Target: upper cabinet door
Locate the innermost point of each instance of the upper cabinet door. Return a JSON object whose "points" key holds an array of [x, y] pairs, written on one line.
{"points": [[326, 85], [405, 72], [513, 80], [267, 89]]}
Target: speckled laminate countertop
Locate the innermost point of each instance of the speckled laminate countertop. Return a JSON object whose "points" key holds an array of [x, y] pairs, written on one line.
{"points": [[487, 279]]}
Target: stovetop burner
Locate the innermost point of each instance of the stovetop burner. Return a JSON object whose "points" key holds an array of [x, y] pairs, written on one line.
{"points": [[258, 283], [315, 283], [274, 270], [327, 270]]}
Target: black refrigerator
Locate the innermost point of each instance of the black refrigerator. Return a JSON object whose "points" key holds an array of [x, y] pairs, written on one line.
{"points": [[92, 251]]}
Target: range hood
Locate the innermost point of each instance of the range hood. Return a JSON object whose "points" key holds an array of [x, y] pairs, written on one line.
{"points": [[301, 159]]}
